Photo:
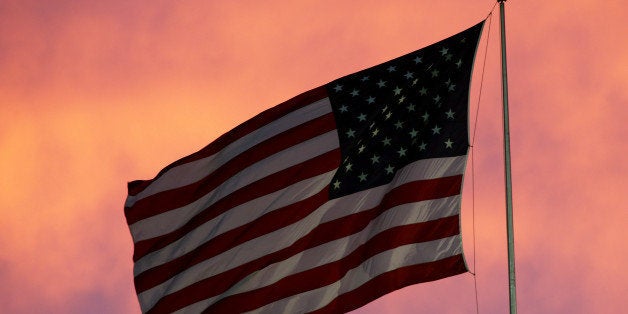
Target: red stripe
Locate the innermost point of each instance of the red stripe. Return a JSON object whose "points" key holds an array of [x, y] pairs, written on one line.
{"points": [[394, 280], [268, 223], [412, 192], [345, 226], [238, 132], [329, 273], [272, 183], [167, 200]]}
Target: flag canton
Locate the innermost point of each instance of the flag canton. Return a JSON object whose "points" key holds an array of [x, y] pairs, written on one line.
{"points": [[409, 108]]}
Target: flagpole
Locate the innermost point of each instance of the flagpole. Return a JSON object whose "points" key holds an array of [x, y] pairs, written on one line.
{"points": [[509, 223]]}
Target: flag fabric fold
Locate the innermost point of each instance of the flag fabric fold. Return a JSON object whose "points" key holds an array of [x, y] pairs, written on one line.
{"points": [[321, 204]]}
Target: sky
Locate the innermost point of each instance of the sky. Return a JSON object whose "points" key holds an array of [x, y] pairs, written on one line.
{"points": [[94, 94]]}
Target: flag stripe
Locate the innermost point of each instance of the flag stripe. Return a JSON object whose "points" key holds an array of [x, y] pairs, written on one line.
{"points": [[334, 271], [277, 119], [265, 224], [167, 221], [145, 247], [284, 243], [319, 255], [271, 183], [241, 215], [394, 279], [372, 285], [406, 255], [289, 140], [425, 169]]}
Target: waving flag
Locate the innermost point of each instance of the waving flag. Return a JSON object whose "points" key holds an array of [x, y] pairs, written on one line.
{"points": [[321, 204]]}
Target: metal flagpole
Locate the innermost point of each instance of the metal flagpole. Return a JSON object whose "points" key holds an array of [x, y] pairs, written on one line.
{"points": [[509, 223]]}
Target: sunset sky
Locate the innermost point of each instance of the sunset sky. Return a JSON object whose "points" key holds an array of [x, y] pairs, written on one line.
{"points": [[94, 94]]}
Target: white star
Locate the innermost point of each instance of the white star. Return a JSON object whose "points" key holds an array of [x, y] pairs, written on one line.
{"points": [[364, 79], [392, 68], [399, 124], [337, 184], [459, 63], [413, 133], [370, 100], [386, 141], [422, 146], [375, 132], [388, 115], [375, 159], [436, 130], [415, 81], [362, 117], [448, 56], [409, 75], [434, 73], [444, 51], [402, 152], [384, 109], [350, 133], [437, 98], [397, 90], [450, 114], [361, 148], [448, 143], [423, 91], [402, 99], [362, 177], [338, 87], [390, 169], [451, 87], [411, 107], [418, 60], [381, 83], [348, 167], [425, 116], [343, 108], [355, 92]]}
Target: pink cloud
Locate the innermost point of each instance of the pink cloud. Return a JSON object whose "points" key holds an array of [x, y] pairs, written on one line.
{"points": [[95, 94]]}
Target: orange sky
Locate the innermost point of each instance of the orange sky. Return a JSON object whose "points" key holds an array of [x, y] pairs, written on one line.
{"points": [[97, 93]]}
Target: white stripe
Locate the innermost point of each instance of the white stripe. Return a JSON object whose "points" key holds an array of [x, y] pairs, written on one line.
{"points": [[407, 255], [191, 172], [171, 220], [340, 248], [419, 170], [279, 239], [235, 217], [260, 246]]}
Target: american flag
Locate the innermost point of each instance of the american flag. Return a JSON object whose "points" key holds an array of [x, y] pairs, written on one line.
{"points": [[321, 204]]}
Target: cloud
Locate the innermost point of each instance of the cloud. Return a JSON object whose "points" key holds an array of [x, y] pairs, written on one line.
{"points": [[95, 94]]}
